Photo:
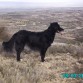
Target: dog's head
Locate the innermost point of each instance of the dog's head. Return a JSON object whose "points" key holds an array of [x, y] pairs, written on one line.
{"points": [[57, 27]]}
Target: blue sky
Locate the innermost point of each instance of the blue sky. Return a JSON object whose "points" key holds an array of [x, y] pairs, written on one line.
{"points": [[40, 3]]}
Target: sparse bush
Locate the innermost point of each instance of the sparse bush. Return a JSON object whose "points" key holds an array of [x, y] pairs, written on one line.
{"points": [[3, 34], [79, 35], [75, 50]]}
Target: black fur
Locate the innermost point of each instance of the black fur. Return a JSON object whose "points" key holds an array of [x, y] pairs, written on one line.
{"points": [[35, 40]]}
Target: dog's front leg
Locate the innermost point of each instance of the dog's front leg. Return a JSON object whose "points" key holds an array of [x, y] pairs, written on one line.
{"points": [[42, 54]]}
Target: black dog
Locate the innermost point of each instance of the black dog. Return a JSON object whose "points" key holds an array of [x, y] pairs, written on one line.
{"points": [[35, 40]]}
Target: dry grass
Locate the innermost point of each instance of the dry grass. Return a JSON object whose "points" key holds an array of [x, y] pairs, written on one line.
{"points": [[30, 70]]}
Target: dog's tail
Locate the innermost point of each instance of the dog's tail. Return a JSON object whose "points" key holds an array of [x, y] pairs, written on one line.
{"points": [[8, 46]]}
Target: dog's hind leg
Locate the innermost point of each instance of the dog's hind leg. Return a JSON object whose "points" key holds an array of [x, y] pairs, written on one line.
{"points": [[19, 48]]}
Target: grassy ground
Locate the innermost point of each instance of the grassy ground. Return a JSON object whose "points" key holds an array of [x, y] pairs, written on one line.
{"points": [[64, 56]]}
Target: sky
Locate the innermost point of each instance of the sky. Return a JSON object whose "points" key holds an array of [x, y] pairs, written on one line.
{"points": [[40, 3]]}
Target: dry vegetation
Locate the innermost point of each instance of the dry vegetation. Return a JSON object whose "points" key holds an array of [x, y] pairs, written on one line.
{"points": [[64, 56]]}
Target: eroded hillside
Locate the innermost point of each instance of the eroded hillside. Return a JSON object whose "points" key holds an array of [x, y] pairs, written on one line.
{"points": [[64, 56]]}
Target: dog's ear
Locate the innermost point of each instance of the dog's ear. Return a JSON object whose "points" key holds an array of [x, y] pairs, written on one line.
{"points": [[53, 23]]}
